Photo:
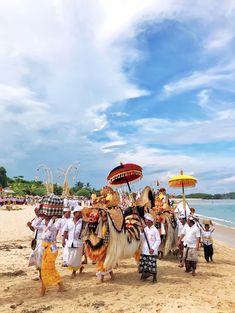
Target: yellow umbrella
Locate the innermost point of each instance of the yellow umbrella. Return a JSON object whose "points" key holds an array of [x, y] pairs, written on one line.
{"points": [[182, 181]]}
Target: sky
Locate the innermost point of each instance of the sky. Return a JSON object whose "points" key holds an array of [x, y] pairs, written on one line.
{"points": [[101, 82]]}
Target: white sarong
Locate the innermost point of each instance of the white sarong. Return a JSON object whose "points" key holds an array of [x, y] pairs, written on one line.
{"points": [[65, 254], [74, 257]]}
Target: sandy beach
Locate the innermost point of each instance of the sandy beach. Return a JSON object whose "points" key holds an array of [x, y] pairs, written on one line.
{"points": [[213, 289]]}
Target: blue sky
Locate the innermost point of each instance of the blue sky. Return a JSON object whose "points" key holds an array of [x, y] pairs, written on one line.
{"points": [[103, 82]]}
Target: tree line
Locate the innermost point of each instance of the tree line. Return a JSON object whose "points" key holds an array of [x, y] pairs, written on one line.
{"points": [[23, 187], [206, 196]]}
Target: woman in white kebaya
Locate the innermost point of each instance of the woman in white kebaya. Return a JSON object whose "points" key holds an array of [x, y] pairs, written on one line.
{"points": [[207, 242]]}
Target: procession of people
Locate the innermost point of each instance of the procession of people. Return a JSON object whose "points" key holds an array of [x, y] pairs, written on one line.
{"points": [[86, 232]]}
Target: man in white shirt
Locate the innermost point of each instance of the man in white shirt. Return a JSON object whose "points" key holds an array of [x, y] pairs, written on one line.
{"points": [[72, 232], [148, 258], [191, 235]]}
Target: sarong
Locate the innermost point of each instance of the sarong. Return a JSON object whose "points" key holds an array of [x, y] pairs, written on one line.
{"points": [[148, 263], [74, 258], [49, 274], [191, 258], [181, 251], [191, 254], [65, 254]]}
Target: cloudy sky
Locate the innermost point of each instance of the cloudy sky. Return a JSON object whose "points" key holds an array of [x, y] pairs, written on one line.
{"points": [[103, 81]]}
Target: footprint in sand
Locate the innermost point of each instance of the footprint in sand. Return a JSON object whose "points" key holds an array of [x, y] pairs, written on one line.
{"points": [[14, 306], [38, 310], [12, 274]]}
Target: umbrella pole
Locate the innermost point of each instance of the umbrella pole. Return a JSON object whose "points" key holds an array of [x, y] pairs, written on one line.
{"points": [[145, 236], [128, 185], [184, 201]]}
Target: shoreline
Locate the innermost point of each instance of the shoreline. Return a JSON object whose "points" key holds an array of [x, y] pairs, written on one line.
{"points": [[224, 234]]}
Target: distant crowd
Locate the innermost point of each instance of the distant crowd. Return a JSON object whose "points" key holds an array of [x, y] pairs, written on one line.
{"points": [[12, 200]]}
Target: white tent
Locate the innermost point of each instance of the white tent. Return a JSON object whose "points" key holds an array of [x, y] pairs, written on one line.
{"points": [[9, 191], [180, 211]]}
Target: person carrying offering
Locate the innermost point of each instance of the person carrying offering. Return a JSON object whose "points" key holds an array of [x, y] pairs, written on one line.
{"points": [[49, 274], [207, 241]]}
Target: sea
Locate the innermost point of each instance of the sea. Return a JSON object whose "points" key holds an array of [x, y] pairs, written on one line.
{"points": [[222, 212]]}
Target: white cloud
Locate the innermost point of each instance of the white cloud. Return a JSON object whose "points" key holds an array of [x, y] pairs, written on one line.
{"points": [[110, 146], [204, 99], [220, 39], [228, 180], [153, 159], [220, 127], [62, 67], [120, 114], [226, 115], [219, 77], [58, 74]]}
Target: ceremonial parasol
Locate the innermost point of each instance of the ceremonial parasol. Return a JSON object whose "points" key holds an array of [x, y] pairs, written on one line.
{"points": [[124, 174], [182, 181]]}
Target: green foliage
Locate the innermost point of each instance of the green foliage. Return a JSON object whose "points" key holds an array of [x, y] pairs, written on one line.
{"points": [[206, 196], [83, 190], [58, 190], [23, 187], [3, 177]]}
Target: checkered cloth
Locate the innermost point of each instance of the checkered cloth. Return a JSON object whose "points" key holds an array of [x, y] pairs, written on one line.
{"points": [[52, 205]]}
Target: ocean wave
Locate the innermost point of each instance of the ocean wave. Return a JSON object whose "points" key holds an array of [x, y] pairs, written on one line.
{"points": [[219, 221]]}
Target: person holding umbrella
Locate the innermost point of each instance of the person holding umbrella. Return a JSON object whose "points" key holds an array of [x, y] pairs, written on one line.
{"points": [[148, 258], [182, 181]]}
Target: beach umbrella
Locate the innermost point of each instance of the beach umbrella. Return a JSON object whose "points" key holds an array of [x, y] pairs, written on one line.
{"points": [[124, 174], [182, 181]]}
